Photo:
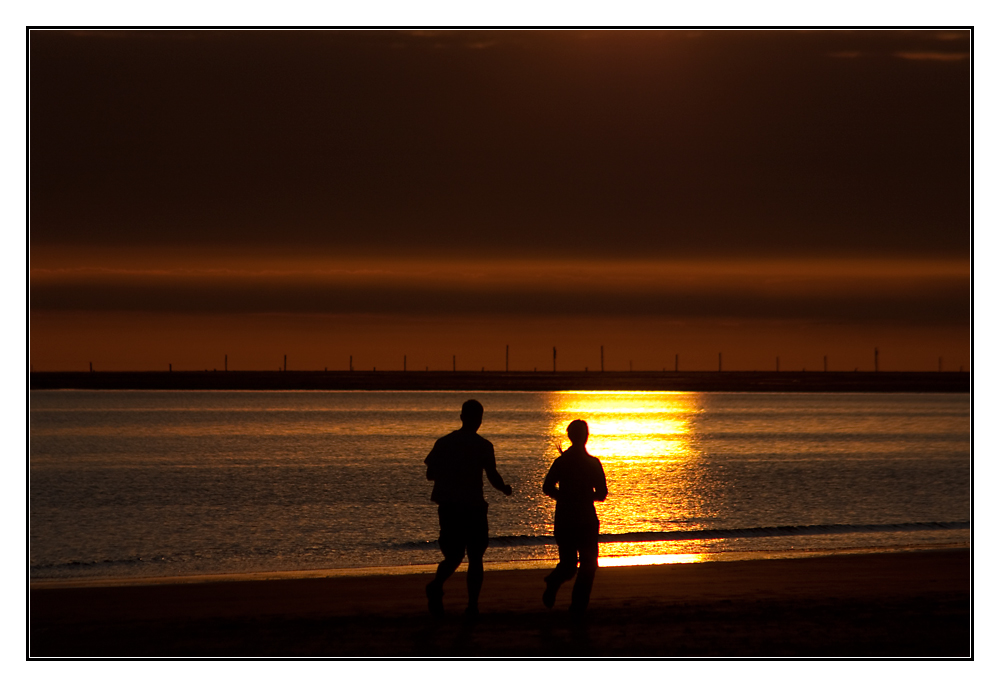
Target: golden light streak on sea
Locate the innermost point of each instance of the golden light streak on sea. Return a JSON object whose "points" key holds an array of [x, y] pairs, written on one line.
{"points": [[647, 443]]}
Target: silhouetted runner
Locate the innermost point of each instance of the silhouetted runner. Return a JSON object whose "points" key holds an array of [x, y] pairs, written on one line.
{"points": [[575, 481], [456, 464]]}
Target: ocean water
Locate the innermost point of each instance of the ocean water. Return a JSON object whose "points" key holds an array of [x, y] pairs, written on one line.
{"points": [[163, 483]]}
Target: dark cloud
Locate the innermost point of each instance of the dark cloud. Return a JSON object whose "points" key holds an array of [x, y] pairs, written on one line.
{"points": [[935, 56], [518, 143], [928, 298]]}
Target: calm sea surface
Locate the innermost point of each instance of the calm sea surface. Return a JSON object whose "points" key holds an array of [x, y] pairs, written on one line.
{"points": [[151, 483]]}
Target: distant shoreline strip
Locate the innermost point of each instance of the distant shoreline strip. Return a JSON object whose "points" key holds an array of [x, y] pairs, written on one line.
{"points": [[387, 380]]}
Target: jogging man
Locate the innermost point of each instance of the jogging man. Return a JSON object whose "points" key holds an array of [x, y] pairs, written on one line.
{"points": [[456, 465]]}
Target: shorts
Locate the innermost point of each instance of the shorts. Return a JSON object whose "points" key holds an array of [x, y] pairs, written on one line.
{"points": [[463, 528], [577, 532]]}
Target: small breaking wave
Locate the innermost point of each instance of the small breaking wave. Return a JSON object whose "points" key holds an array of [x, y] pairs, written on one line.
{"points": [[97, 565], [687, 535]]}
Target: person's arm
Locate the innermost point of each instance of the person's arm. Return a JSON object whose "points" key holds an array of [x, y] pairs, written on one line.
{"points": [[549, 487], [432, 463], [601, 488], [494, 476]]}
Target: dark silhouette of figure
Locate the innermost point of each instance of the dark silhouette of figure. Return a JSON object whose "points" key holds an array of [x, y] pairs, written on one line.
{"points": [[575, 480], [456, 465]]}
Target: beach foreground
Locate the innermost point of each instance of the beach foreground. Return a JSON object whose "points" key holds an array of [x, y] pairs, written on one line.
{"points": [[884, 604]]}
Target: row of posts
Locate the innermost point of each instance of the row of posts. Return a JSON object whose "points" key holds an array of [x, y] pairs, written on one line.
{"points": [[454, 367]]}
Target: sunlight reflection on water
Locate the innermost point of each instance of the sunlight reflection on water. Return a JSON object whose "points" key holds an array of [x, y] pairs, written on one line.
{"points": [[132, 484], [647, 444], [662, 559]]}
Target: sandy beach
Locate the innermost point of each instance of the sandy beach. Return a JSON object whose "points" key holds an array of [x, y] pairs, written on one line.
{"points": [[910, 604]]}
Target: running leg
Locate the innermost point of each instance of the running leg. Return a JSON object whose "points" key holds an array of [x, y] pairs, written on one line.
{"points": [[588, 568], [563, 572]]}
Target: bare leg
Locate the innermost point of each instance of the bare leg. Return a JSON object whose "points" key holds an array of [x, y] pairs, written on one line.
{"points": [[474, 581], [588, 568], [583, 585], [445, 569], [563, 572], [478, 543]]}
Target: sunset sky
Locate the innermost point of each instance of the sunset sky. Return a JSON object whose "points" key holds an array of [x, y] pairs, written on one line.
{"points": [[376, 194]]}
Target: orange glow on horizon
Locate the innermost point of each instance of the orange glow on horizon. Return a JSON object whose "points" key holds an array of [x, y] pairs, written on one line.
{"points": [[53, 262], [66, 341]]}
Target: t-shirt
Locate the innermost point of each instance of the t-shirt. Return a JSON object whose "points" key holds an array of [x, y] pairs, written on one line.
{"points": [[456, 464], [581, 481]]}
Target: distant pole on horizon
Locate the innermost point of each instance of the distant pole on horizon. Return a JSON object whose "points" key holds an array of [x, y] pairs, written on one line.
{"points": [[170, 367], [602, 358], [824, 363], [876, 360], [91, 367], [677, 362], [720, 362], [284, 365], [553, 358], [506, 359]]}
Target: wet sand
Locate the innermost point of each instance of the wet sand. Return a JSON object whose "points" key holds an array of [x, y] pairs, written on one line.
{"points": [[913, 604]]}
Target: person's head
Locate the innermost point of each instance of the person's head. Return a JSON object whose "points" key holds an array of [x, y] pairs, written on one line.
{"points": [[472, 414], [578, 432]]}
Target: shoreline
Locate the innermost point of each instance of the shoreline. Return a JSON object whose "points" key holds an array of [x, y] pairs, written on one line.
{"points": [[813, 382], [494, 566], [876, 604]]}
